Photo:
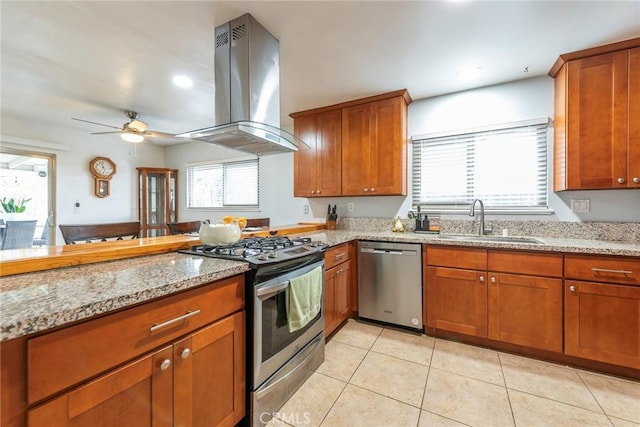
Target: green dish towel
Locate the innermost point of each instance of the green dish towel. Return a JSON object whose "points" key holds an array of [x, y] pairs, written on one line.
{"points": [[304, 299]]}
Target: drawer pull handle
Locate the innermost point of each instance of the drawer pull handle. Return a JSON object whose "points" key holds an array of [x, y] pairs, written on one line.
{"points": [[482, 278], [157, 326], [165, 364], [572, 288], [185, 353], [606, 270], [493, 280], [338, 256]]}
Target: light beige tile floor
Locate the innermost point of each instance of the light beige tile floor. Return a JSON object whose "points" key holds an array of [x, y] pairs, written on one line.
{"points": [[382, 377]]}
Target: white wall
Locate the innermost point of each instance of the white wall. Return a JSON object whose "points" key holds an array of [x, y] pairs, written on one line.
{"points": [[73, 179]]}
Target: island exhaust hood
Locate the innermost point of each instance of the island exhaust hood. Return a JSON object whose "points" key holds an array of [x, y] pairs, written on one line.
{"points": [[247, 92]]}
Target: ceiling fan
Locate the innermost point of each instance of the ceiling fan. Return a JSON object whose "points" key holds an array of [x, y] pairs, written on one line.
{"points": [[133, 131]]}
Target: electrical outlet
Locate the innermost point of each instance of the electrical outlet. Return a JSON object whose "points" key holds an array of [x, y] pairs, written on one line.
{"points": [[351, 206], [76, 207], [305, 209], [580, 205]]}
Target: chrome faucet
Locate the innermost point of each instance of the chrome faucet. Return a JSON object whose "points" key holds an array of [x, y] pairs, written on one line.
{"points": [[472, 212]]}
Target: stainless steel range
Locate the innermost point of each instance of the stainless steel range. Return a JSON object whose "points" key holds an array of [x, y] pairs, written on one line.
{"points": [[279, 361]]}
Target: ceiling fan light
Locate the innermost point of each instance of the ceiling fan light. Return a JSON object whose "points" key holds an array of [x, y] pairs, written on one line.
{"points": [[132, 137]]}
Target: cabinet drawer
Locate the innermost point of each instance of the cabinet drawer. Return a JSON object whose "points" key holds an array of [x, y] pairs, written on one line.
{"points": [[336, 255], [536, 264], [66, 357], [602, 269], [474, 259]]}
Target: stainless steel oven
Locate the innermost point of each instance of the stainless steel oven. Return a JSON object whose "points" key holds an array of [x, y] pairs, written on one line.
{"points": [[278, 361], [282, 360]]}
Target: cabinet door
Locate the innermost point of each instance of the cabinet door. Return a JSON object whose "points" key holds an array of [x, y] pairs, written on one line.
{"points": [[388, 149], [342, 290], [526, 310], [597, 121], [356, 147], [329, 300], [304, 161], [209, 375], [457, 300], [138, 394], [329, 154], [634, 123], [602, 322]]}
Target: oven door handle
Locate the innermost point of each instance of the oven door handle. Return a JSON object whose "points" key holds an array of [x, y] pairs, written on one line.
{"points": [[268, 386], [271, 290]]}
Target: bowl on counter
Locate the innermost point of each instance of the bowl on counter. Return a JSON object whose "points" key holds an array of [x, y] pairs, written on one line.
{"points": [[219, 234]]}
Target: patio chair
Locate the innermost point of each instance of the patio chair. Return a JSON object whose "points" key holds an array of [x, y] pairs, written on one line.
{"points": [[43, 240], [18, 234]]}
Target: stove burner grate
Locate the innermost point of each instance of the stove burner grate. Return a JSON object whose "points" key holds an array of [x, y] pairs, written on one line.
{"points": [[252, 246]]}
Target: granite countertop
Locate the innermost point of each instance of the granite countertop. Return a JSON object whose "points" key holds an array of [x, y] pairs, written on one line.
{"points": [[34, 302], [577, 246]]}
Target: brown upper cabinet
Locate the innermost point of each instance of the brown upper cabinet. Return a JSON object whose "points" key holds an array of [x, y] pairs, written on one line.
{"points": [[317, 171], [358, 148], [597, 106]]}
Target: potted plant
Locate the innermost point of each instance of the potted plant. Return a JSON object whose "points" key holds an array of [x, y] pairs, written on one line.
{"points": [[14, 205], [14, 208]]}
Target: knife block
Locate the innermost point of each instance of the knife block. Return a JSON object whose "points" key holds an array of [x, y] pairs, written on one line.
{"points": [[332, 224]]}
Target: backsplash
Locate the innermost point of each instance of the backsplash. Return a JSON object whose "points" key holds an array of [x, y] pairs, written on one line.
{"points": [[592, 230]]}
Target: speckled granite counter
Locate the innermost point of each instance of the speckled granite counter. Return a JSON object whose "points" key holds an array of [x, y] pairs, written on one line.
{"points": [[580, 246], [34, 302]]}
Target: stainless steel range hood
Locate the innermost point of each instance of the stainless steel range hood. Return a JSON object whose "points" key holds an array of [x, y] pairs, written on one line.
{"points": [[247, 97]]}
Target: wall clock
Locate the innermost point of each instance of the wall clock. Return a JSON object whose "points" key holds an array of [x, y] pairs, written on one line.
{"points": [[102, 169]]}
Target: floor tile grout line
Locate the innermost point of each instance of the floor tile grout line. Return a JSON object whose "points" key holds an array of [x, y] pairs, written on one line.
{"points": [[334, 403], [424, 389], [591, 393], [563, 403], [504, 378], [465, 376], [349, 380]]}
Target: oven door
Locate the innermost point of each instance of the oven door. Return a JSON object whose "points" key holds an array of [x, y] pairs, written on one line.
{"points": [[273, 344]]}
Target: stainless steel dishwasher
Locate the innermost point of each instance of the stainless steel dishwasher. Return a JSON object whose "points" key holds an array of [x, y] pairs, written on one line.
{"points": [[390, 282]]}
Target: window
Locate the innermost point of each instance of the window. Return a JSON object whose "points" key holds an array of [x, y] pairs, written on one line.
{"points": [[505, 167], [223, 185]]}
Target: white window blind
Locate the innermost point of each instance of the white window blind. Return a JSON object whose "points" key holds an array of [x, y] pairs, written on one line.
{"points": [[505, 167], [221, 185]]}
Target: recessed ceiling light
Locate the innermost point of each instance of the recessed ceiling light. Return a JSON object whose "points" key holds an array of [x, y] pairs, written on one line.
{"points": [[182, 81], [469, 73]]}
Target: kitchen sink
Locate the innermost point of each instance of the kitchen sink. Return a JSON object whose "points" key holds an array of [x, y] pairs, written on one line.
{"points": [[494, 239]]}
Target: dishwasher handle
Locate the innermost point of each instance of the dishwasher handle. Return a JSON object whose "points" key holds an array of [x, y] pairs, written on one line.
{"points": [[387, 251]]}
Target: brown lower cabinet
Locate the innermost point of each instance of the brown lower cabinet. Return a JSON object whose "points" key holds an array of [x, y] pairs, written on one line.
{"points": [[602, 309], [189, 383], [476, 292], [602, 322], [338, 286], [175, 361]]}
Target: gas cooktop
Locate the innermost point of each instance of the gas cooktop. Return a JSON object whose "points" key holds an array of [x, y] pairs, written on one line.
{"points": [[261, 250]]}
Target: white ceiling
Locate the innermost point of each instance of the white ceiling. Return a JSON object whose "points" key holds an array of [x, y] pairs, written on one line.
{"points": [[92, 60]]}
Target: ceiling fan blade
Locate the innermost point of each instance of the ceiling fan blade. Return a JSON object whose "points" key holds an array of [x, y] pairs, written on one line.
{"points": [[155, 134], [102, 133], [95, 123]]}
